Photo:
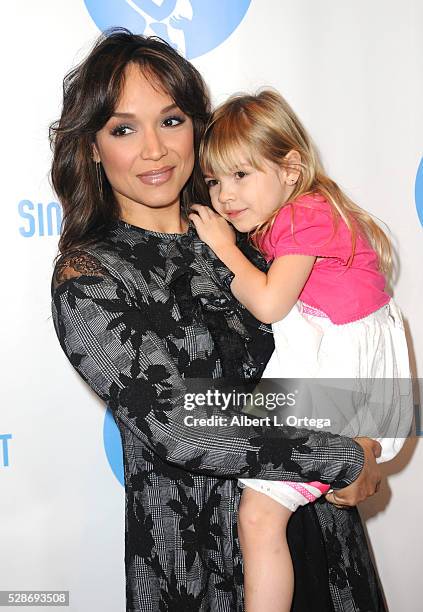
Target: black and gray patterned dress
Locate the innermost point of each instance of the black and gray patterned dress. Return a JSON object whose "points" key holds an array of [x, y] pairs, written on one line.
{"points": [[138, 315]]}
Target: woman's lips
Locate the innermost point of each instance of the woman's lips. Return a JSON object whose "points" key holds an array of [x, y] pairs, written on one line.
{"points": [[156, 177]]}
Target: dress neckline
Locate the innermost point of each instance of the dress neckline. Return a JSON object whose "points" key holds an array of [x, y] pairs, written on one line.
{"points": [[146, 232]]}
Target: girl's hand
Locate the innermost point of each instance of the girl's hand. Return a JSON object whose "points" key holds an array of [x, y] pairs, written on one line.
{"points": [[213, 229]]}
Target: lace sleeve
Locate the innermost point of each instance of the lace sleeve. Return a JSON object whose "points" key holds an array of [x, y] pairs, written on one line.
{"points": [[74, 265]]}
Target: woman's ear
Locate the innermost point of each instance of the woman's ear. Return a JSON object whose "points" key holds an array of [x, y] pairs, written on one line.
{"points": [[96, 155], [293, 166]]}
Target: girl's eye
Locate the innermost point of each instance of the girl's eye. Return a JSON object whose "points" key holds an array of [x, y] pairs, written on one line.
{"points": [[173, 121], [211, 183], [121, 130], [240, 174]]}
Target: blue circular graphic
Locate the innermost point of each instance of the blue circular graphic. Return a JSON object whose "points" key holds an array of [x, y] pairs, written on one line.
{"points": [[113, 446], [419, 191], [193, 27]]}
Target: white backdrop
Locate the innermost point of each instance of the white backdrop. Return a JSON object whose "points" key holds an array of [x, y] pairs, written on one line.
{"points": [[352, 69]]}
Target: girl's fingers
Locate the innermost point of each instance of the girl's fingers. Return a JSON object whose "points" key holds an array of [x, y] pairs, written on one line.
{"points": [[195, 207], [205, 212], [199, 220], [196, 219], [198, 208], [199, 215]]}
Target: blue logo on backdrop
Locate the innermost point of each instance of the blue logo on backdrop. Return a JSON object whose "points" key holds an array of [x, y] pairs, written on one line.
{"points": [[40, 219], [193, 27], [419, 191], [4, 455], [113, 446]]}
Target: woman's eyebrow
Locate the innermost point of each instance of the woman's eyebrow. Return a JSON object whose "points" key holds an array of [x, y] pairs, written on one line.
{"points": [[126, 115], [166, 109]]}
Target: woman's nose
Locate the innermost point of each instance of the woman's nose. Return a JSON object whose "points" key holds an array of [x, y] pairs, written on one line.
{"points": [[153, 146]]}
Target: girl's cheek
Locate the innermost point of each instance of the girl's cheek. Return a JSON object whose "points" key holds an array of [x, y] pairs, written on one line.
{"points": [[217, 207], [213, 200]]}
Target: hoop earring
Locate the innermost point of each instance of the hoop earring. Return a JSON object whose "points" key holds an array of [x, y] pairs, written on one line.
{"points": [[99, 178]]}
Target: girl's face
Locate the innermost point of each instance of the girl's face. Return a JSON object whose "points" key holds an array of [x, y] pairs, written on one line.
{"points": [[247, 196], [146, 148]]}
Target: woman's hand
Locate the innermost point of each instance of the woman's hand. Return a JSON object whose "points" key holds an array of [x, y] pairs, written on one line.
{"points": [[213, 229], [368, 481]]}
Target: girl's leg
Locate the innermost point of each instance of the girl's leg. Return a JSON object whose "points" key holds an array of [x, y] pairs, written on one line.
{"points": [[268, 571]]}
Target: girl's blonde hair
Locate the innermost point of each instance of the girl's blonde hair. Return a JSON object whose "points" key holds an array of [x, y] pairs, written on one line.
{"points": [[264, 126]]}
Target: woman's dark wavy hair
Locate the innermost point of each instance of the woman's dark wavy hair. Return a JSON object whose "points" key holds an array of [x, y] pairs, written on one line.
{"points": [[90, 94]]}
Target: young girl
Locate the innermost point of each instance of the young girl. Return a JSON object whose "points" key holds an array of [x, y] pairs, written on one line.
{"points": [[324, 294]]}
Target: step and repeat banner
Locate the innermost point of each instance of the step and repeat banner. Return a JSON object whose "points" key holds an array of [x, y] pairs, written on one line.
{"points": [[352, 70]]}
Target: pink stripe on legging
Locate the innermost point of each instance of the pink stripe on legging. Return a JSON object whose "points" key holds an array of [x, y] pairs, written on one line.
{"points": [[302, 489], [323, 488]]}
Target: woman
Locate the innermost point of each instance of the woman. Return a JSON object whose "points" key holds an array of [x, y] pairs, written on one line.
{"points": [[143, 311]]}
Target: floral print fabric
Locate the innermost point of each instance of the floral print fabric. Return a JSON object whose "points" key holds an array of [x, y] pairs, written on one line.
{"points": [[138, 315]]}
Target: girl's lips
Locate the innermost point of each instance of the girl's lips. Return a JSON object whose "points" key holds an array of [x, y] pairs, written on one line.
{"points": [[156, 177], [235, 213]]}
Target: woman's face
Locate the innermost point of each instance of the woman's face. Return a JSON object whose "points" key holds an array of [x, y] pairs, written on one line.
{"points": [[146, 148]]}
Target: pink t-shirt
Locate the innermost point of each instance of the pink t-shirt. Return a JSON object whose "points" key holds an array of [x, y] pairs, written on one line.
{"points": [[345, 294]]}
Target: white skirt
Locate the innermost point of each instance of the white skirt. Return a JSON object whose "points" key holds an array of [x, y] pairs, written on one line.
{"points": [[361, 377]]}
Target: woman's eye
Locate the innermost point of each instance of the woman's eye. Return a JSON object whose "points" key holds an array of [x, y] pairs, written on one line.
{"points": [[240, 174], [173, 121], [121, 130]]}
